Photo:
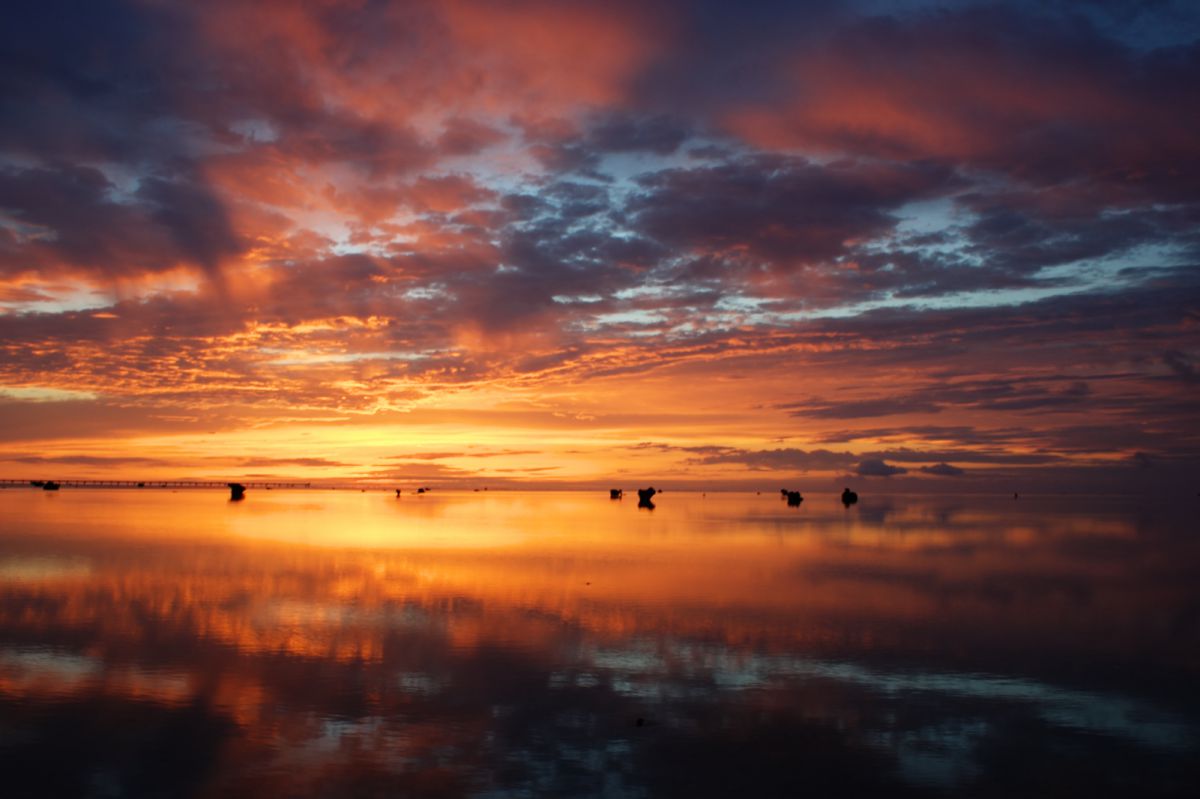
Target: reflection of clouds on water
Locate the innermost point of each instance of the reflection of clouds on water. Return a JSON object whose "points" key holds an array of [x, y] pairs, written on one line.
{"points": [[939, 753], [937, 745], [420, 683], [500, 672], [662, 662], [42, 671], [61, 668]]}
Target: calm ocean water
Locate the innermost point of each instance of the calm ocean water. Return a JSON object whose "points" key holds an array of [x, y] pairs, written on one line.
{"points": [[322, 643]]}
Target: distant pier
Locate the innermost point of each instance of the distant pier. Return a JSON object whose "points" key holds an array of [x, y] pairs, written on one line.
{"points": [[221, 484]]}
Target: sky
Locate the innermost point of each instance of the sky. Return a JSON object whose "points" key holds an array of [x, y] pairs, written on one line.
{"points": [[897, 245]]}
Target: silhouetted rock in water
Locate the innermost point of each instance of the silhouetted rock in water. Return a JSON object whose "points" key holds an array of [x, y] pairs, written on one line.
{"points": [[644, 497], [794, 499], [420, 491], [399, 492], [49, 485], [615, 493], [848, 497], [237, 491]]}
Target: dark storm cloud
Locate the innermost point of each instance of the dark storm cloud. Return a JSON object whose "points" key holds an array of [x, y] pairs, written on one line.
{"points": [[1023, 233], [90, 80], [194, 218], [785, 212], [74, 220]]}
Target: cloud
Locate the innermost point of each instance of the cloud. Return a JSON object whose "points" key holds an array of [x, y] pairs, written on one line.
{"points": [[998, 394], [784, 212], [1181, 364], [943, 470], [874, 467], [309, 462], [823, 235], [90, 460], [1037, 97]]}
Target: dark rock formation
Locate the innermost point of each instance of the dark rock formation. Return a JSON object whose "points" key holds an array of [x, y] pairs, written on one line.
{"points": [[849, 497], [236, 491]]}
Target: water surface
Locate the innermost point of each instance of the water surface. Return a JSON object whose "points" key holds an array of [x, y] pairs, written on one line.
{"points": [[322, 643]]}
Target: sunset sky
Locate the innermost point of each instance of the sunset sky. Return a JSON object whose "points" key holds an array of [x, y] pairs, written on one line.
{"points": [[898, 245]]}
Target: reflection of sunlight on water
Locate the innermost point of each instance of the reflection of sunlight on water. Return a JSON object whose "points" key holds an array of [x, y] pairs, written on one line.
{"points": [[524, 632], [42, 568]]}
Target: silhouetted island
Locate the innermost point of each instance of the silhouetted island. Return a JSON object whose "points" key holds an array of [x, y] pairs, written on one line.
{"points": [[794, 499], [848, 497], [644, 497], [236, 491], [615, 493]]}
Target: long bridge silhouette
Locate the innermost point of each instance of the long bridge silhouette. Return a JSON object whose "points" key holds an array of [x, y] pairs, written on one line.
{"points": [[223, 484]]}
